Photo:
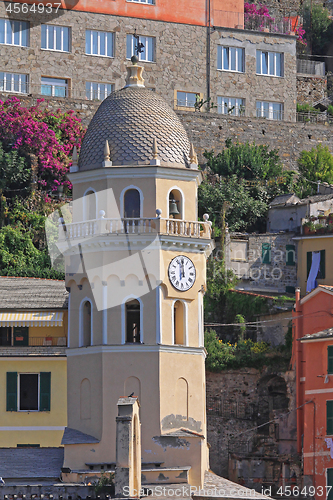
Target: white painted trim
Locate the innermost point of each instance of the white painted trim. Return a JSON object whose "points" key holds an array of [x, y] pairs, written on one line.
{"points": [[312, 237], [158, 315], [182, 214], [34, 428], [69, 320], [314, 339], [81, 322], [201, 320], [123, 318], [99, 349], [319, 391], [105, 313], [186, 323], [122, 197], [84, 208], [317, 454], [314, 292]]}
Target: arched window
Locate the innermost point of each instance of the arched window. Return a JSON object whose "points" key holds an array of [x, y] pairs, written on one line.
{"points": [[132, 204], [179, 323], [133, 321], [86, 323], [175, 204], [90, 205]]}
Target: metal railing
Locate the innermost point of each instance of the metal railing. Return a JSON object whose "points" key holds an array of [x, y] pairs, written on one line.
{"points": [[131, 226], [36, 342], [270, 115], [262, 23], [304, 66], [50, 91], [311, 117], [217, 406]]}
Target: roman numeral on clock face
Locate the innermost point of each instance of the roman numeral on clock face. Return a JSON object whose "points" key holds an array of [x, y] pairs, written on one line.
{"points": [[182, 273]]}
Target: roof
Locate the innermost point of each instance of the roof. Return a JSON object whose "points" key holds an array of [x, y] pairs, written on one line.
{"points": [[31, 463], [321, 288], [286, 200], [31, 351], [324, 334], [32, 293], [73, 436], [129, 119]]}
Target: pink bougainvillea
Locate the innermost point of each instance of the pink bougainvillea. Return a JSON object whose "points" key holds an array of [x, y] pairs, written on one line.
{"points": [[47, 135]]}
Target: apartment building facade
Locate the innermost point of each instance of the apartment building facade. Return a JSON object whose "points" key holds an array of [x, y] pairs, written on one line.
{"points": [[190, 53]]}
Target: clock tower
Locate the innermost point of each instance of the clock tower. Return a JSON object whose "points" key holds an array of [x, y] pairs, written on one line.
{"points": [[136, 270]]}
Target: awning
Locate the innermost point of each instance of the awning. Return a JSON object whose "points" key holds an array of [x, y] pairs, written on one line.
{"points": [[37, 318]]}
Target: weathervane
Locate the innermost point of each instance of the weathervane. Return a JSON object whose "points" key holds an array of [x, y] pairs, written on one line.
{"points": [[139, 46]]}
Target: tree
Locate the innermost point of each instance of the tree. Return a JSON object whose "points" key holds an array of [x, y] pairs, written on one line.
{"points": [[314, 165], [15, 173], [318, 27]]}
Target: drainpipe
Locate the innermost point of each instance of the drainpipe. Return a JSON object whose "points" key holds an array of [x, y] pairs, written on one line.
{"points": [[208, 56], [297, 359]]}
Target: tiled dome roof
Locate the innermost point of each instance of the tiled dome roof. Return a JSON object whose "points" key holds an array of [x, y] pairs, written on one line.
{"points": [[129, 119]]}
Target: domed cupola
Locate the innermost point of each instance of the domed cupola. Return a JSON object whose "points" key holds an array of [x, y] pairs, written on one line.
{"points": [[129, 119]]}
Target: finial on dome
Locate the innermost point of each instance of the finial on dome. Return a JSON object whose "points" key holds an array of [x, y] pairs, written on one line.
{"points": [[155, 160], [74, 167], [134, 74], [193, 157], [106, 152]]}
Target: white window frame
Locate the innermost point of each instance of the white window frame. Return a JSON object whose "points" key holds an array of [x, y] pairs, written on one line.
{"points": [[270, 53], [53, 86], [147, 2], [220, 59], [99, 35], [48, 35], [18, 392], [21, 23], [145, 40], [270, 110], [90, 91], [222, 109], [11, 76]]}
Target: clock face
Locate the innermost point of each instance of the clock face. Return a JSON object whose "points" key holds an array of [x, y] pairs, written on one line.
{"points": [[182, 273]]}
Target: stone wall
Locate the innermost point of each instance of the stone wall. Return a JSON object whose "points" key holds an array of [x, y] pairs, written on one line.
{"points": [[237, 402], [311, 88], [180, 59]]}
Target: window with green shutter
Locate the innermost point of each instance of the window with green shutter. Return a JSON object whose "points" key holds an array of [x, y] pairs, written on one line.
{"points": [[45, 391], [330, 359], [266, 253], [321, 272], [290, 255], [330, 483], [11, 391], [329, 418]]}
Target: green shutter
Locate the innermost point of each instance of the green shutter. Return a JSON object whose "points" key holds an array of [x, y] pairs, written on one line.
{"points": [[45, 391], [290, 255], [11, 391], [308, 263], [321, 273], [330, 483], [329, 418], [330, 359], [266, 253]]}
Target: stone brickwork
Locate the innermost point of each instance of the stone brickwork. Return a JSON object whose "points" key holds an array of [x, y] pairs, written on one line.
{"points": [[237, 402], [260, 261], [311, 89], [180, 54]]}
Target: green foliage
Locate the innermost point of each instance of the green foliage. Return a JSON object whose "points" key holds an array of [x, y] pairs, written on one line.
{"points": [[251, 306], [314, 165], [219, 281], [330, 110], [239, 318], [306, 108], [105, 484], [15, 173], [319, 28]]}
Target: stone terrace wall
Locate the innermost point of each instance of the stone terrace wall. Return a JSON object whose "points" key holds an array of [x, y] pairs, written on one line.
{"points": [[311, 88]]}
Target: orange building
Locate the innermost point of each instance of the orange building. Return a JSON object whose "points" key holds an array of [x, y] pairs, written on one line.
{"points": [[313, 355], [226, 13]]}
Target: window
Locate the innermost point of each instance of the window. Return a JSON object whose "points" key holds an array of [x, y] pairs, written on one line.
{"points": [[175, 204], [98, 91], [55, 38], [290, 255], [270, 110], [186, 99], [178, 323], [100, 43], [132, 204], [329, 418], [148, 48], [28, 391], [230, 59], [89, 207], [133, 321], [14, 33], [330, 359], [86, 324], [330, 483], [55, 87], [150, 2], [13, 82], [266, 253], [321, 269], [230, 106], [269, 63]]}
